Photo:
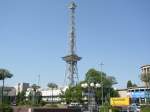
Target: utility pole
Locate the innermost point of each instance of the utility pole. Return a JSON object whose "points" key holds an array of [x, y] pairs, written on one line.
{"points": [[38, 82], [101, 64]]}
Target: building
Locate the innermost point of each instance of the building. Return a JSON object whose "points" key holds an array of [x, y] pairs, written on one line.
{"points": [[122, 92], [145, 71], [48, 94], [9, 93], [139, 95], [21, 87], [51, 95]]}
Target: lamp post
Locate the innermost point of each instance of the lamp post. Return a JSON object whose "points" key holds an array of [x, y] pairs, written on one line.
{"points": [[101, 83], [92, 106]]}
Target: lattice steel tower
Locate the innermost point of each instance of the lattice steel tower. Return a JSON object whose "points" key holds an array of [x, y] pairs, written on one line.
{"points": [[72, 58]]}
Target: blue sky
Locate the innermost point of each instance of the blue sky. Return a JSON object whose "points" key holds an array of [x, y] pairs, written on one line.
{"points": [[33, 38]]}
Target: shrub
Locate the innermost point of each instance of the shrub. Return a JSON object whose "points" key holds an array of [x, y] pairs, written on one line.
{"points": [[5, 108], [104, 108], [115, 110], [42, 103]]}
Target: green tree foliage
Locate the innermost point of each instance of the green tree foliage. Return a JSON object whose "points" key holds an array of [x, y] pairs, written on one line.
{"points": [[74, 94], [38, 97], [145, 77], [4, 73], [129, 84], [6, 108], [100, 77], [35, 87], [35, 95], [20, 98], [134, 85], [106, 81], [52, 86]]}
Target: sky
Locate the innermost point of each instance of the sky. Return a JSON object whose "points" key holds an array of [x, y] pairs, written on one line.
{"points": [[34, 37]]}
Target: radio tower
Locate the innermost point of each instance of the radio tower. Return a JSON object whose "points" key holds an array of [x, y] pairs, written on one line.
{"points": [[72, 58]]}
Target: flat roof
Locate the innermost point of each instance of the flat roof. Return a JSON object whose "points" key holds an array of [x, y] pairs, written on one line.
{"points": [[145, 65]]}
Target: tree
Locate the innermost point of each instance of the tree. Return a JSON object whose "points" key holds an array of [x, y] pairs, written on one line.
{"points": [[34, 93], [106, 82], [52, 86], [129, 84], [74, 94], [38, 97], [4, 73], [20, 98], [35, 87], [145, 77], [134, 85], [100, 77]]}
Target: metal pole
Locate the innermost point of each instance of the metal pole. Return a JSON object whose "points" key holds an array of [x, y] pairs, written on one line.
{"points": [[89, 98], [38, 83], [101, 83]]}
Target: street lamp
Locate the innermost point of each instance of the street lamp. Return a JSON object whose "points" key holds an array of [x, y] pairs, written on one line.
{"points": [[91, 95]]}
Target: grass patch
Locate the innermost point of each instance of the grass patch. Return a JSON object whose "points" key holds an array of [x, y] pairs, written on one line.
{"points": [[6, 108], [145, 108]]}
